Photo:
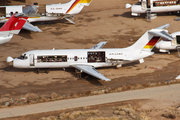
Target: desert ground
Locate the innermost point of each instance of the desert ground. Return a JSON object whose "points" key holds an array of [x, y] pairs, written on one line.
{"points": [[103, 20]]}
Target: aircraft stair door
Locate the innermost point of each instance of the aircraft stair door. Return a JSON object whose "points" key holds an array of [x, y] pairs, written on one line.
{"points": [[31, 59]]}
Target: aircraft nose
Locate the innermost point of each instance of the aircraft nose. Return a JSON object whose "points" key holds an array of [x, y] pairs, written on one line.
{"points": [[9, 59], [16, 63]]}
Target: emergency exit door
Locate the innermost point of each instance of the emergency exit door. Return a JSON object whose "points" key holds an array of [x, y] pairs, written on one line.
{"points": [[31, 59]]}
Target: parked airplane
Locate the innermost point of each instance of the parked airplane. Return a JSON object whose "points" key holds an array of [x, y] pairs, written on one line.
{"points": [[12, 26], [166, 45], [86, 60], [46, 12], [155, 6]]}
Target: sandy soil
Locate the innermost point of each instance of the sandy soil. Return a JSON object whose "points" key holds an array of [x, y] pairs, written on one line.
{"points": [[103, 20]]}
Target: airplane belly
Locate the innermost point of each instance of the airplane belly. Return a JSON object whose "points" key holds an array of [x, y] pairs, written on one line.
{"points": [[52, 65]]}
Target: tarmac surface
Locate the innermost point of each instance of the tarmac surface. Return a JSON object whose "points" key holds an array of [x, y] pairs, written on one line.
{"points": [[163, 94]]}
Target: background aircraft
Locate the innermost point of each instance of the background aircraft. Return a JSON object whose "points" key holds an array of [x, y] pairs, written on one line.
{"points": [[166, 45], [12, 26], [155, 6], [86, 60], [45, 12]]}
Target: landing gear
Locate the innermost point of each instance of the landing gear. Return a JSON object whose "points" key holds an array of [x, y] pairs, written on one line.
{"points": [[45, 70], [37, 71], [78, 73]]}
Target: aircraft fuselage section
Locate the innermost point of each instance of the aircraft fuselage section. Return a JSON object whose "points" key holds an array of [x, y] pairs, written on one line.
{"points": [[66, 58]]}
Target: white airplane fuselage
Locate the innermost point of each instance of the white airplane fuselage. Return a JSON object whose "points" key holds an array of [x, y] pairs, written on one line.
{"points": [[96, 58], [156, 6], [5, 39]]}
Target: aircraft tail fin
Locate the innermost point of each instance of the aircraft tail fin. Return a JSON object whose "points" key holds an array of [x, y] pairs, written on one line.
{"points": [[146, 43], [14, 24], [77, 6]]}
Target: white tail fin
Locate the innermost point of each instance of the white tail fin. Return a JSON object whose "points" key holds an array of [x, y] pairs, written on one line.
{"points": [[147, 42]]}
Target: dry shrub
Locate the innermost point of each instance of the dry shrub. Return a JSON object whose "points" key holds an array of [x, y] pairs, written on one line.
{"points": [[31, 96], [142, 116], [124, 88], [94, 92], [129, 87], [144, 85], [119, 89], [178, 80], [149, 84], [159, 83], [73, 95], [169, 114], [116, 112], [105, 118], [49, 118], [106, 91], [76, 114], [53, 95], [138, 86], [87, 93]]}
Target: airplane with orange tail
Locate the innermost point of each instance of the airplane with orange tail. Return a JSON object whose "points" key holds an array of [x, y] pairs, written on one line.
{"points": [[86, 60], [38, 13], [11, 27]]}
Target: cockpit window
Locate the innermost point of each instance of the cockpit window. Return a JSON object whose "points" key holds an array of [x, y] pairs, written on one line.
{"points": [[138, 3], [23, 57]]}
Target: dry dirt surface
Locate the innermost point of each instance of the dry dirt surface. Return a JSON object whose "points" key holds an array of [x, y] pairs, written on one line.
{"points": [[127, 110], [103, 20]]}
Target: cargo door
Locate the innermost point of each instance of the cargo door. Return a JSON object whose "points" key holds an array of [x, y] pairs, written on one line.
{"points": [[31, 59]]}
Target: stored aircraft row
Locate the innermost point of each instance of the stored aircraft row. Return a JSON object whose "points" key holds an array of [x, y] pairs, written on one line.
{"points": [[154, 6], [86, 60], [47, 12]]}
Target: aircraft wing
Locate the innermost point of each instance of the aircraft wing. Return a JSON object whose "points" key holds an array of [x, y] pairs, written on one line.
{"points": [[91, 71], [99, 45], [30, 27]]}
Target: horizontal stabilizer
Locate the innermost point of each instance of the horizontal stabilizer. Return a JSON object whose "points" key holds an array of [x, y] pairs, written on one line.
{"points": [[163, 27], [29, 26], [70, 21], [99, 45], [91, 71], [161, 34]]}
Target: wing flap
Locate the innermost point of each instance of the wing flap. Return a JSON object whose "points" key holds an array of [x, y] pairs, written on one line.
{"points": [[91, 71]]}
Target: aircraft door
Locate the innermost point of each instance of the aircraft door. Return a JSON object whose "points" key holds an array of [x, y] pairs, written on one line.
{"points": [[31, 59], [75, 58], [143, 4]]}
